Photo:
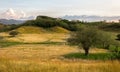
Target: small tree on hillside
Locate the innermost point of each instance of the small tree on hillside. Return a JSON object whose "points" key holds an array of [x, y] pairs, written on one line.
{"points": [[13, 33], [86, 37], [106, 40]]}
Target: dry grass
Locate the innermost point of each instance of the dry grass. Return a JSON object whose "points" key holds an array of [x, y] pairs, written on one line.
{"points": [[26, 66], [30, 30], [48, 58], [35, 52], [38, 30], [30, 38], [58, 29], [40, 52]]}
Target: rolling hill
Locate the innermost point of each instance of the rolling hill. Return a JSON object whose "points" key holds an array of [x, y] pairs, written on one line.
{"points": [[37, 30]]}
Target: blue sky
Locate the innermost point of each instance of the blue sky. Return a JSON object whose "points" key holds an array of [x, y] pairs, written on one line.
{"points": [[63, 7]]}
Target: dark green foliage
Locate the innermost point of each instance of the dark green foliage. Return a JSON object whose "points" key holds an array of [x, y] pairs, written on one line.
{"points": [[115, 52], [92, 56], [116, 55], [88, 37], [13, 33], [44, 17], [113, 27], [47, 22], [118, 37], [6, 28]]}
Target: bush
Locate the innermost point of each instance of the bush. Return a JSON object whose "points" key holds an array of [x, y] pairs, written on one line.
{"points": [[13, 33], [118, 37], [116, 53]]}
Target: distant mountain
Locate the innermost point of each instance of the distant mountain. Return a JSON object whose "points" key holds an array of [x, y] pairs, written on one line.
{"points": [[11, 21], [91, 18]]}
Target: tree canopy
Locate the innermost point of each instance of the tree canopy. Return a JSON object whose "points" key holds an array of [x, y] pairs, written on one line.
{"points": [[88, 37]]}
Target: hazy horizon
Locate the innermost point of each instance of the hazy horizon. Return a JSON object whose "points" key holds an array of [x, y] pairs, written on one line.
{"points": [[20, 9]]}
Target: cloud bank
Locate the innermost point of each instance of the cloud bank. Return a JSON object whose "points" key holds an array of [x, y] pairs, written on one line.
{"points": [[13, 14]]}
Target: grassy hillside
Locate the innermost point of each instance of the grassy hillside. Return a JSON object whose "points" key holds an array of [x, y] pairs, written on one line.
{"points": [[38, 30], [30, 29], [58, 29]]}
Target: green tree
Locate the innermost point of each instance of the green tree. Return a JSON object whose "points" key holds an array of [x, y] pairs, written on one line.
{"points": [[118, 37], [87, 37], [106, 40]]}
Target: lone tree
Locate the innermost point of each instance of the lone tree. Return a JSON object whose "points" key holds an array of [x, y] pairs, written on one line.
{"points": [[13, 33], [86, 37]]}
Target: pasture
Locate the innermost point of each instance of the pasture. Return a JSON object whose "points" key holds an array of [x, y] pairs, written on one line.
{"points": [[46, 53]]}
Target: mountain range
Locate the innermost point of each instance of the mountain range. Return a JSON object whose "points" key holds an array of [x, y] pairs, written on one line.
{"points": [[11, 21], [87, 18], [92, 18]]}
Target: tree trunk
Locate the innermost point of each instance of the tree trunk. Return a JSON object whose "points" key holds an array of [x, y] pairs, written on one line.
{"points": [[86, 51]]}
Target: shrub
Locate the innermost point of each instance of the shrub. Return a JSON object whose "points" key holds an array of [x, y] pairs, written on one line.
{"points": [[118, 37], [13, 33]]}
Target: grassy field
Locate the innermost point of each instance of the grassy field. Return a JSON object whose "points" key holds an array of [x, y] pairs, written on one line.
{"points": [[33, 38], [49, 58], [43, 53]]}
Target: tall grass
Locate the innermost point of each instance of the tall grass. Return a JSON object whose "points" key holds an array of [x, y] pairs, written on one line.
{"points": [[48, 58], [26, 66]]}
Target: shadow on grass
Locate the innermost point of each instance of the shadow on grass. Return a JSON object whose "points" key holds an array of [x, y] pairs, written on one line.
{"points": [[10, 43], [46, 42], [92, 56], [7, 43]]}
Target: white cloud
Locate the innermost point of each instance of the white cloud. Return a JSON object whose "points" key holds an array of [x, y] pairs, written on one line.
{"points": [[23, 14], [12, 14]]}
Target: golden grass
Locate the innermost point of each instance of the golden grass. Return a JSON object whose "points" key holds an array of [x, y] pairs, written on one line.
{"points": [[48, 58], [26, 66], [30, 38], [41, 52], [38, 30], [39, 37], [58, 29], [30, 30]]}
